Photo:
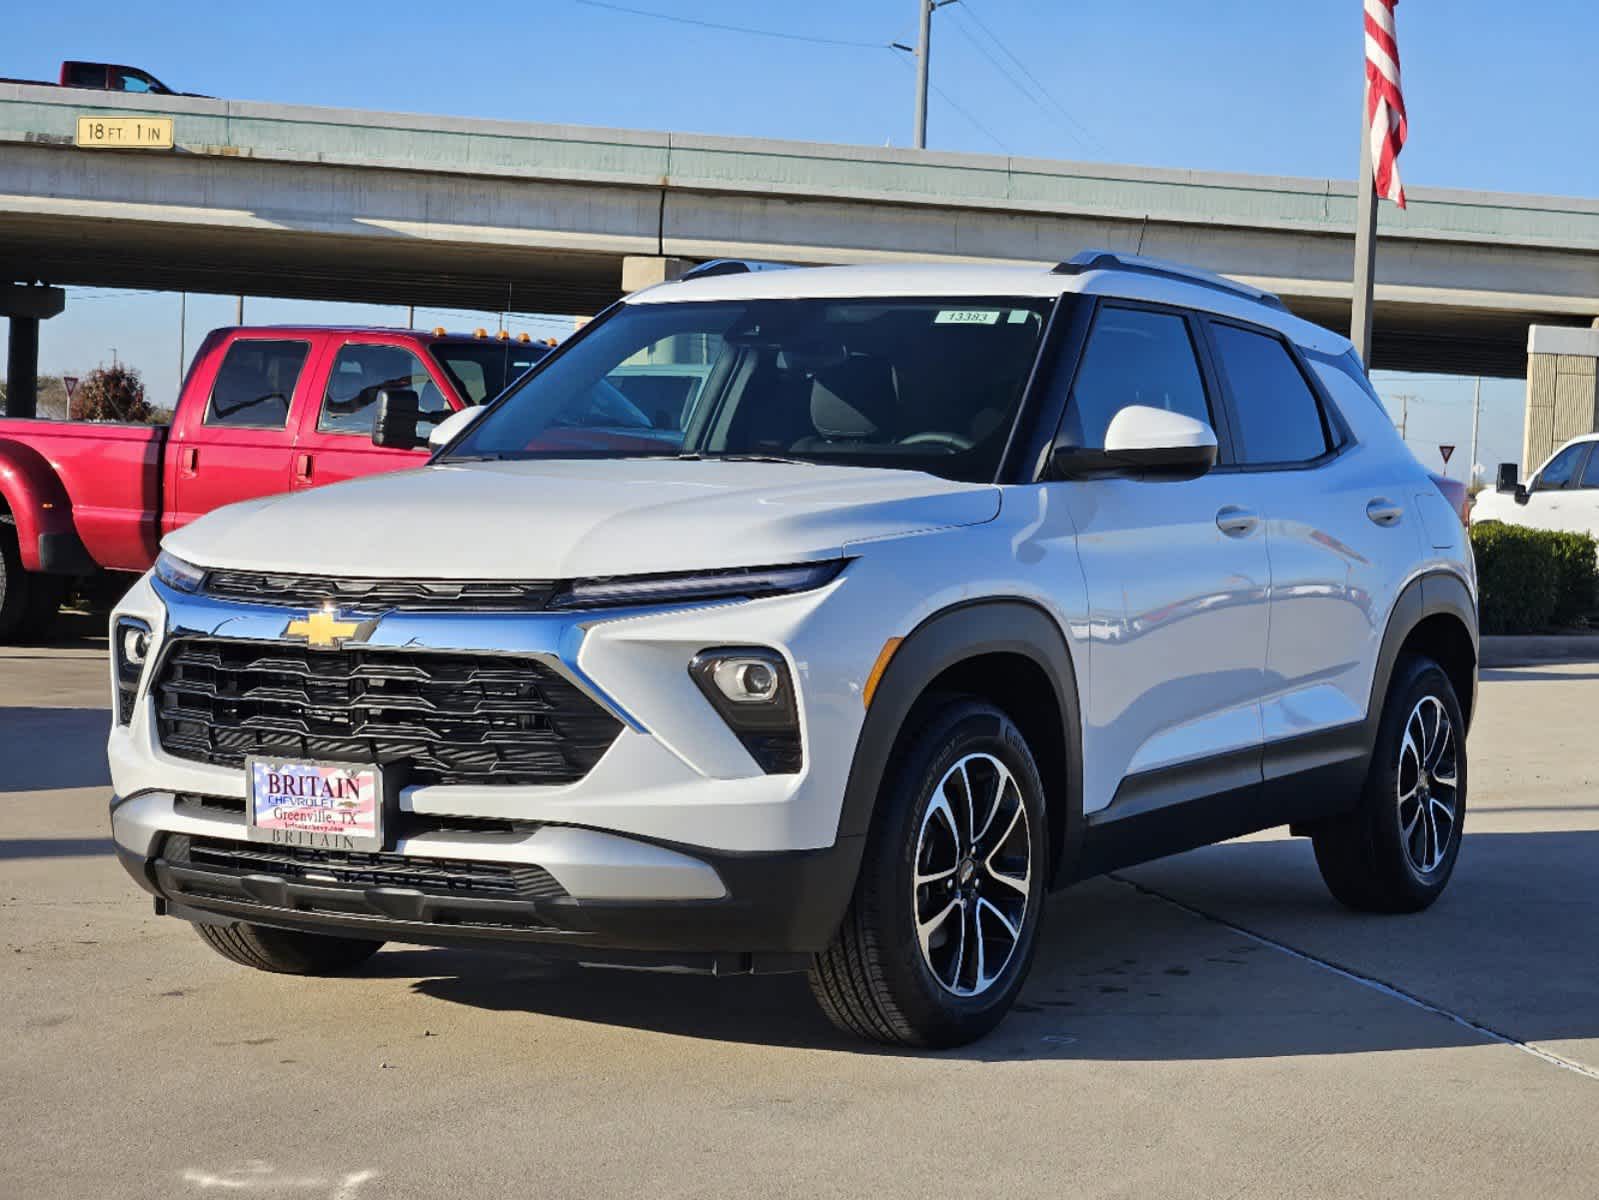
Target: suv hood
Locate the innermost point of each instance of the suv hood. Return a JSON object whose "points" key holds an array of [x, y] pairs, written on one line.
{"points": [[563, 519]]}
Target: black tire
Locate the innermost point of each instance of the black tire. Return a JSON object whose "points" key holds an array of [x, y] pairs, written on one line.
{"points": [[1377, 858], [42, 606], [287, 952], [13, 583], [876, 980]]}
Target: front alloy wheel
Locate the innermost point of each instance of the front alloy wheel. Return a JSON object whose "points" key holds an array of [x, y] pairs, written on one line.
{"points": [[940, 932], [973, 875]]}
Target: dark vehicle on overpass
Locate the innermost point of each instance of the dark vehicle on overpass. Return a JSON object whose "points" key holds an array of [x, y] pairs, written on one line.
{"points": [[263, 410]]}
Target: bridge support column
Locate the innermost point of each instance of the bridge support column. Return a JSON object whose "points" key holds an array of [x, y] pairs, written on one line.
{"points": [[1562, 389], [640, 271], [26, 306]]}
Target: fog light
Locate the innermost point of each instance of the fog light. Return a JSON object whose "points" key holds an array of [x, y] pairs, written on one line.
{"points": [[745, 680], [135, 645], [130, 646], [750, 688]]}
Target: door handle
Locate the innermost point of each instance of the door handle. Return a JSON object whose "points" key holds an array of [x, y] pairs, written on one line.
{"points": [[1384, 512], [189, 460], [302, 468], [1236, 522]]}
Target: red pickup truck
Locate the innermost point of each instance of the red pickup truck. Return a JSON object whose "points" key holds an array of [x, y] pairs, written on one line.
{"points": [[262, 410]]}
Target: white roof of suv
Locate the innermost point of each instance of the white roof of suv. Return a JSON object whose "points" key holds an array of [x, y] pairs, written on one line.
{"points": [[1091, 273]]}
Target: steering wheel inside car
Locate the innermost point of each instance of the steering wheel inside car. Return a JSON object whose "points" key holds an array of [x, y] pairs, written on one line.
{"points": [[952, 443]]}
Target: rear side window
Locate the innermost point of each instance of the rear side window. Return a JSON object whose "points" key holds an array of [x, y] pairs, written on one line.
{"points": [[1590, 473], [360, 372], [1133, 356], [255, 384], [1279, 418]]}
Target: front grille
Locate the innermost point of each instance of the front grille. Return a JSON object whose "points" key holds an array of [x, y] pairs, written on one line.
{"points": [[433, 876], [381, 595], [449, 718]]}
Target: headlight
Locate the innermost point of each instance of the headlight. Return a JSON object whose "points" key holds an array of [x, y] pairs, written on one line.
{"points": [[130, 650], [751, 689], [739, 583], [177, 574]]}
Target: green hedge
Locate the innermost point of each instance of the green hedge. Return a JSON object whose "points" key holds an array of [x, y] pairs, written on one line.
{"points": [[1533, 579]]}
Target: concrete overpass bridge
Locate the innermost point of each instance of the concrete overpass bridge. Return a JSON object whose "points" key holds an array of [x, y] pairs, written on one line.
{"points": [[272, 200]]}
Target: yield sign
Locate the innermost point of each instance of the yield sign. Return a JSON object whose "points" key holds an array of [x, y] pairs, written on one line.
{"points": [[70, 382], [1446, 451]]}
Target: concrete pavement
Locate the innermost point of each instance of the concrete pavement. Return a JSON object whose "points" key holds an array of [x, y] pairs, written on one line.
{"points": [[1162, 1048]]}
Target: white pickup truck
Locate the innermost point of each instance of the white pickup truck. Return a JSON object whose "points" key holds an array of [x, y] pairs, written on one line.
{"points": [[1563, 494]]}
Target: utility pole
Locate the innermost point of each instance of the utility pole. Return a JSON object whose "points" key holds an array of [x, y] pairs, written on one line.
{"points": [[1476, 419], [183, 327], [1404, 399], [924, 44], [410, 316], [239, 312]]}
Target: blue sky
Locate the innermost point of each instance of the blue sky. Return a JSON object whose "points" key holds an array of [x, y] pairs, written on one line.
{"points": [[1227, 85]]}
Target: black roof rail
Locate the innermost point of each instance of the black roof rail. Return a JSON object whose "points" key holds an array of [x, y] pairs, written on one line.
{"points": [[729, 266], [1112, 260]]}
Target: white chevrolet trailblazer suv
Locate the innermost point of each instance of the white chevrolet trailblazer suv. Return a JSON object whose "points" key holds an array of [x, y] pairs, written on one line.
{"points": [[945, 587]]}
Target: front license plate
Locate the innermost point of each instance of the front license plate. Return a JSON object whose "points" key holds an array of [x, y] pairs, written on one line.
{"points": [[323, 806]]}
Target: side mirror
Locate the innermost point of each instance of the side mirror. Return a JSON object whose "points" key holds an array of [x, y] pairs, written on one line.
{"points": [[399, 414], [1143, 441], [445, 432], [1509, 480]]}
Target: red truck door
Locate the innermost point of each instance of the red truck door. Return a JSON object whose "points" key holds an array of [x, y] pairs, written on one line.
{"points": [[239, 442], [335, 440]]}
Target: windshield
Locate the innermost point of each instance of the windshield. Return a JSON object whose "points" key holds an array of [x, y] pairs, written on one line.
{"points": [[480, 370], [928, 385]]}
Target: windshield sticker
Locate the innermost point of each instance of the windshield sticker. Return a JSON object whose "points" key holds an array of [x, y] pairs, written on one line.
{"points": [[967, 316]]}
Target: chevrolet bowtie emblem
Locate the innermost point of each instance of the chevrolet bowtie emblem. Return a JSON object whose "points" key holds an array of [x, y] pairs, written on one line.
{"points": [[325, 631]]}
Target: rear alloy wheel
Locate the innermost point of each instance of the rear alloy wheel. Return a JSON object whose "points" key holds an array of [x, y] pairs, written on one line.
{"points": [[1397, 850], [940, 933]]}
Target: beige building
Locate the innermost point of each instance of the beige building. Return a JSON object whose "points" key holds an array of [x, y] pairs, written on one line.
{"points": [[1562, 389]]}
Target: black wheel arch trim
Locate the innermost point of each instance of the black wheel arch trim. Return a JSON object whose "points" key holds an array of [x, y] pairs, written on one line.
{"points": [[1433, 593], [972, 629]]}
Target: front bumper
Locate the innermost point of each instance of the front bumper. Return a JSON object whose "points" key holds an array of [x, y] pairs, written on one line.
{"points": [[593, 894]]}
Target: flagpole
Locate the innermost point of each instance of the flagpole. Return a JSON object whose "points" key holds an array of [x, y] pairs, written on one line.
{"points": [[1365, 244]]}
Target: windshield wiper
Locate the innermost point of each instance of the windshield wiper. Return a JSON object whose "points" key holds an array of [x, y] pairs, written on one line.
{"points": [[752, 458]]}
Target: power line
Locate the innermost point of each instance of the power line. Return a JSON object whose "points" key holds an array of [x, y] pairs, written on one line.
{"points": [[1010, 77], [1031, 78], [784, 35], [949, 100]]}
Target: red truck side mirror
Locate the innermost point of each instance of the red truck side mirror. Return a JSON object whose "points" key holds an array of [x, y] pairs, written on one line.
{"points": [[399, 414]]}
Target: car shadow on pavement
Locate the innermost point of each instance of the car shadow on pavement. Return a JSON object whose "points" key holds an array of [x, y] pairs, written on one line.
{"points": [[46, 748], [1123, 973], [56, 847]]}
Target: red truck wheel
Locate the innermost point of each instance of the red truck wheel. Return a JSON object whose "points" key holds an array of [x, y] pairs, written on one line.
{"points": [[28, 603]]}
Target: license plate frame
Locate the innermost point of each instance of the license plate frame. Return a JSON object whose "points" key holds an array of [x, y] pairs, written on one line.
{"points": [[318, 830]]}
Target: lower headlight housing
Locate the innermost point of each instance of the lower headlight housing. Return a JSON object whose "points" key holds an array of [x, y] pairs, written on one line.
{"points": [[130, 651], [752, 690]]}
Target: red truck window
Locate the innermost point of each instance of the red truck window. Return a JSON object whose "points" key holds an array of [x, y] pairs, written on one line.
{"points": [[359, 373], [255, 384]]}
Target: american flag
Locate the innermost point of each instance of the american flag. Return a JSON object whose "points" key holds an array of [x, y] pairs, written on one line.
{"points": [[1385, 102]]}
